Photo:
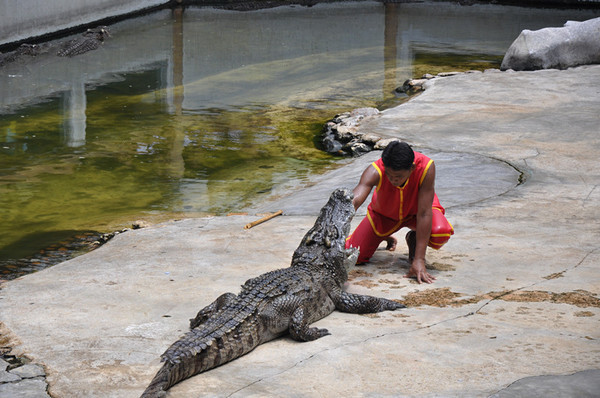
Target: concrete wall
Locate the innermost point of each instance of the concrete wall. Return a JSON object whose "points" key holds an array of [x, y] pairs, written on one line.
{"points": [[20, 20], [132, 47], [25, 19]]}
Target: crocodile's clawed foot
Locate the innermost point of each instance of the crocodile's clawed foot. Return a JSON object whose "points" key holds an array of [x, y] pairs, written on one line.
{"points": [[313, 334], [394, 305], [318, 333]]}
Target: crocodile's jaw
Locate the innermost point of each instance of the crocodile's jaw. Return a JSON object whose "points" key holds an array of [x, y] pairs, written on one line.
{"points": [[342, 218], [351, 258], [323, 248]]}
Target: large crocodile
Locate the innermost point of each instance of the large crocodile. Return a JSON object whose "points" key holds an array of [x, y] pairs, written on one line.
{"points": [[283, 301]]}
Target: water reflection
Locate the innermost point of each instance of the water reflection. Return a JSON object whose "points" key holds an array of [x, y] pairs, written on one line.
{"points": [[204, 110], [390, 58], [74, 115]]}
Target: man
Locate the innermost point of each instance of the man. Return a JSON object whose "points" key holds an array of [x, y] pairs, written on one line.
{"points": [[404, 196]]}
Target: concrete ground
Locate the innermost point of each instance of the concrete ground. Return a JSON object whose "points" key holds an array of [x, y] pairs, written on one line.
{"points": [[514, 311]]}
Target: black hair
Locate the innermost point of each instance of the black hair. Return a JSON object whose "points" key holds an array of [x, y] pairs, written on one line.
{"points": [[398, 155]]}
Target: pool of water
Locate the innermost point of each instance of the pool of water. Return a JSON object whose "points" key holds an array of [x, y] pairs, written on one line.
{"points": [[183, 113]]}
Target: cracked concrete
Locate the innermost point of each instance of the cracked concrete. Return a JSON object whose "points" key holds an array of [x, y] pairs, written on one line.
{"points": [[524, 260]]}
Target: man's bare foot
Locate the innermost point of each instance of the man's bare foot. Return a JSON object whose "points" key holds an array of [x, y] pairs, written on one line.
{"points": [[411, 241], [391, 243]]}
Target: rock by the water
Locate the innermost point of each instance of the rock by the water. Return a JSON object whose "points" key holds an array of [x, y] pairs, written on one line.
{"points": [[138, 224], [381, 144], [577, 43], [341, 135], [29, 371], [413, 86], [356, 148], [370, 139]]}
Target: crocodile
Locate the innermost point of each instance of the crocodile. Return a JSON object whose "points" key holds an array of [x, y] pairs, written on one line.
{"points": [[90, 40], [283, 301], [24, 49]]}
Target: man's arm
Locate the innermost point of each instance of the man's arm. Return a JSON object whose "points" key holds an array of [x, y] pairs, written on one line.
{"points": [[368, 179], [424, 215]]}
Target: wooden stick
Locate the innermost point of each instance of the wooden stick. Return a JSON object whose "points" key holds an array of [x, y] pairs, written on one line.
{"points": [[265, 218]]}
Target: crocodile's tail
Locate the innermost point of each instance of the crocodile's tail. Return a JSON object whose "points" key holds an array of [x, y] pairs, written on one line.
{"points": [[219, 340], [159, 384]]}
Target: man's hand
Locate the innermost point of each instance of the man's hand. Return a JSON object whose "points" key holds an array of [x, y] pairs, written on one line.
{"points": [[417, 270]]}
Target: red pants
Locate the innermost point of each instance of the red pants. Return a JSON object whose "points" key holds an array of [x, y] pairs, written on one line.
{"points": [[365, 238]]}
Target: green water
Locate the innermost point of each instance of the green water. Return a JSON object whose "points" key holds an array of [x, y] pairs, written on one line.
{"points": [[139, 161], [208, 125]]}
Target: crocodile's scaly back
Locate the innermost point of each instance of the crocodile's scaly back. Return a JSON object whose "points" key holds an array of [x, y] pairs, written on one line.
{"points": [[283, 301]]}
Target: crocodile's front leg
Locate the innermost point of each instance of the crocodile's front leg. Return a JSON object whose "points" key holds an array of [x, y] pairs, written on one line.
{"points": [[206, 312], [361, 304], [294, 315], [299, 326]]}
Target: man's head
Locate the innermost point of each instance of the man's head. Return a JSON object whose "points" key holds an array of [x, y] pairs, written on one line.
{"points": [[398, 159]]}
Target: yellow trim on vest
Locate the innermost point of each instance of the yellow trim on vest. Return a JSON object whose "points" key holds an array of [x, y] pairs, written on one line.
{"points": [[400, 215], [391, 231], [436, 246], [380, 175], [425, 171]]}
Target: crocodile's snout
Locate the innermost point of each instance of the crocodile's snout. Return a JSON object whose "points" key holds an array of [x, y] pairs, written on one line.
{"points": [[344, 194]]}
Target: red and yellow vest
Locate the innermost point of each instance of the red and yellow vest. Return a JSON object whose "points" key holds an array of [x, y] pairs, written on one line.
{"points": [[391, 206]]}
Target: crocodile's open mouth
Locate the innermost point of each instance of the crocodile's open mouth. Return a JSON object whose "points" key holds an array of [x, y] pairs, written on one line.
{"points": [[351, 257]]}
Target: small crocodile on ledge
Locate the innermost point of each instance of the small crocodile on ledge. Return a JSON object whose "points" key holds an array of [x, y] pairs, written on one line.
{"points": [[89, 40], [283, 301]]}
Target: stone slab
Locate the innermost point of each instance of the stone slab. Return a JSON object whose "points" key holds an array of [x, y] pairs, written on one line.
{"points": [[576, 43]]}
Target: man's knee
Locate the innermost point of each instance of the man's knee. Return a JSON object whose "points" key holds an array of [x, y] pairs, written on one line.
{"points": [[441, 231], [436, 242], [366, 243]]}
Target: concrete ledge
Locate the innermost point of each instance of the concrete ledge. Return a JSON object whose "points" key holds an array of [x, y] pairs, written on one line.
{"points": [[24, 20]]}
